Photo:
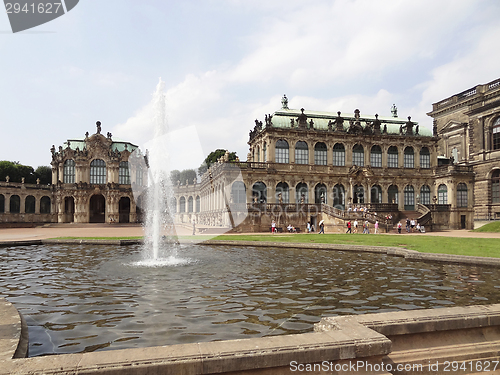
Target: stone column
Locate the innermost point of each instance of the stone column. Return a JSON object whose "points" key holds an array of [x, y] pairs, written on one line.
{"points": [[329, 154], [60, 172], [54, 174], [133, 211], [7, 203], [401, 202], [37, 205], [60, 209]]}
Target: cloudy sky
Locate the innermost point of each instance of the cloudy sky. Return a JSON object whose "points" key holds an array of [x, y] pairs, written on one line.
{"points": [[226, 63]]}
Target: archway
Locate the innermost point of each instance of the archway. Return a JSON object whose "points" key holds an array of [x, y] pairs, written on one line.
{"points": [[124, 210], [97, 209], [358, 196], [69, 209], [320, 194]]}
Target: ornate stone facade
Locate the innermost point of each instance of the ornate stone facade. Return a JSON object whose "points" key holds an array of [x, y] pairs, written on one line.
{"points": [[468, 128], [329, 163], [92, 181]]}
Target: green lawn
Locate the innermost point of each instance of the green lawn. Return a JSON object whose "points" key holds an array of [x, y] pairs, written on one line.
{"points": [[486, 247], [490, 227]]}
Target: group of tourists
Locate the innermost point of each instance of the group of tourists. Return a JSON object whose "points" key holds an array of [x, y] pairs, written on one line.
{"points": [[353, 227], [411, 226]]}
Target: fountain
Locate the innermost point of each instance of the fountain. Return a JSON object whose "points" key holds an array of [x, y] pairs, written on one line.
{"points": [[160, 240]]}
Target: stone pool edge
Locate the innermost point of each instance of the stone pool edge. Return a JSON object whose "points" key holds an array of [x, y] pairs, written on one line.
{"points": [[410, 255]]}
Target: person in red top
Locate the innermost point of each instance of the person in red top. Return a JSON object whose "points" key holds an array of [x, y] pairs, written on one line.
{"points": [[349, 227]]}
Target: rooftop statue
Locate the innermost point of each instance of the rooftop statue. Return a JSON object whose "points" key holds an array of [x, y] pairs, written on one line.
{"points": [[284, 102], [394, 110]]}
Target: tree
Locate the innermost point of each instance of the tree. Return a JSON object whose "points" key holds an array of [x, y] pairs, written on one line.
{"points": [[188, 174], [16, 172], [212, 158], [175, 176], [44, 173]]}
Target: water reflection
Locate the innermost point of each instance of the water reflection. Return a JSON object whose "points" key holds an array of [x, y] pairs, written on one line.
{"points": [[82, 298]]}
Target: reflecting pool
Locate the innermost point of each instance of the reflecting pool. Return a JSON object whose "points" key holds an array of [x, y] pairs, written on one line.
{"points": [[79, 298]]}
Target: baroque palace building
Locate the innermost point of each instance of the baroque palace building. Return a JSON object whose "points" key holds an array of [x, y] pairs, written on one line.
{"points": [[302, 166], [91, 183]]}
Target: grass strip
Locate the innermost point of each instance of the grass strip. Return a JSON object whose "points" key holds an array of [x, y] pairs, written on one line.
{"points": [[485, 247]]}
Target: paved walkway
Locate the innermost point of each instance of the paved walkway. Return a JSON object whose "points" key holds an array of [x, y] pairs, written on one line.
{"points": [[133, 230]]}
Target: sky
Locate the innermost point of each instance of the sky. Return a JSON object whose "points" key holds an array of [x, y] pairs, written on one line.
{"points": [[226, 63]]}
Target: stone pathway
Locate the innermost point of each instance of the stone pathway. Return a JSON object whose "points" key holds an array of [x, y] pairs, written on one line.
{"points": [[135, 230]]}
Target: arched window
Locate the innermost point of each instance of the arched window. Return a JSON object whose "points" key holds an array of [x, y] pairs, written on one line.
{"points": [[409, 198], [2, 203], [409, 159], [425, 194], [15, 204], [495, 134], [190, 204], [320, 194], [392, 194], [182, 205], [69, 172], [358, 155], [123, 173], [392, 157], [173, 205], [239, 192], [495, 187], [425, 158], [282, 152], [29, 204], [264, 151], [301, 153], [259, 192], [320, 153], [339, 196], [461, 195], [339, 155], [98, 172], [282, 188], [301, 193], [258, 154], [198, 203], [376, 194], [442, 194], [376, 157]]}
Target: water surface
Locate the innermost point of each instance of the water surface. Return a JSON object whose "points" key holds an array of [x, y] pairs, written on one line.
{"points": [[79, 298]]}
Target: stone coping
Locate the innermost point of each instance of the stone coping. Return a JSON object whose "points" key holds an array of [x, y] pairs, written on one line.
{"points": [[353, 337], [13, 332], [410, 255]]}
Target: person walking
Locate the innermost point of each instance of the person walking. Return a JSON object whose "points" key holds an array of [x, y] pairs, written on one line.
{"points": [[349, 227], [355, 225], [376, 226], [399, 227], [273, 227], [321, 228]]}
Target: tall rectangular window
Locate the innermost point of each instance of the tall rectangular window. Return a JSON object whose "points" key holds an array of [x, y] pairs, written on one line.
{"points": [[339, 155], [69, 172], [392, 157], [123, 173]]}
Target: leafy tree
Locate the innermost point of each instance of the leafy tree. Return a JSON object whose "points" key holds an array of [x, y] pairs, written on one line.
{"points": [[212, 158], [175, 176], [188, 174], [44, 173], [16, 172]]}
